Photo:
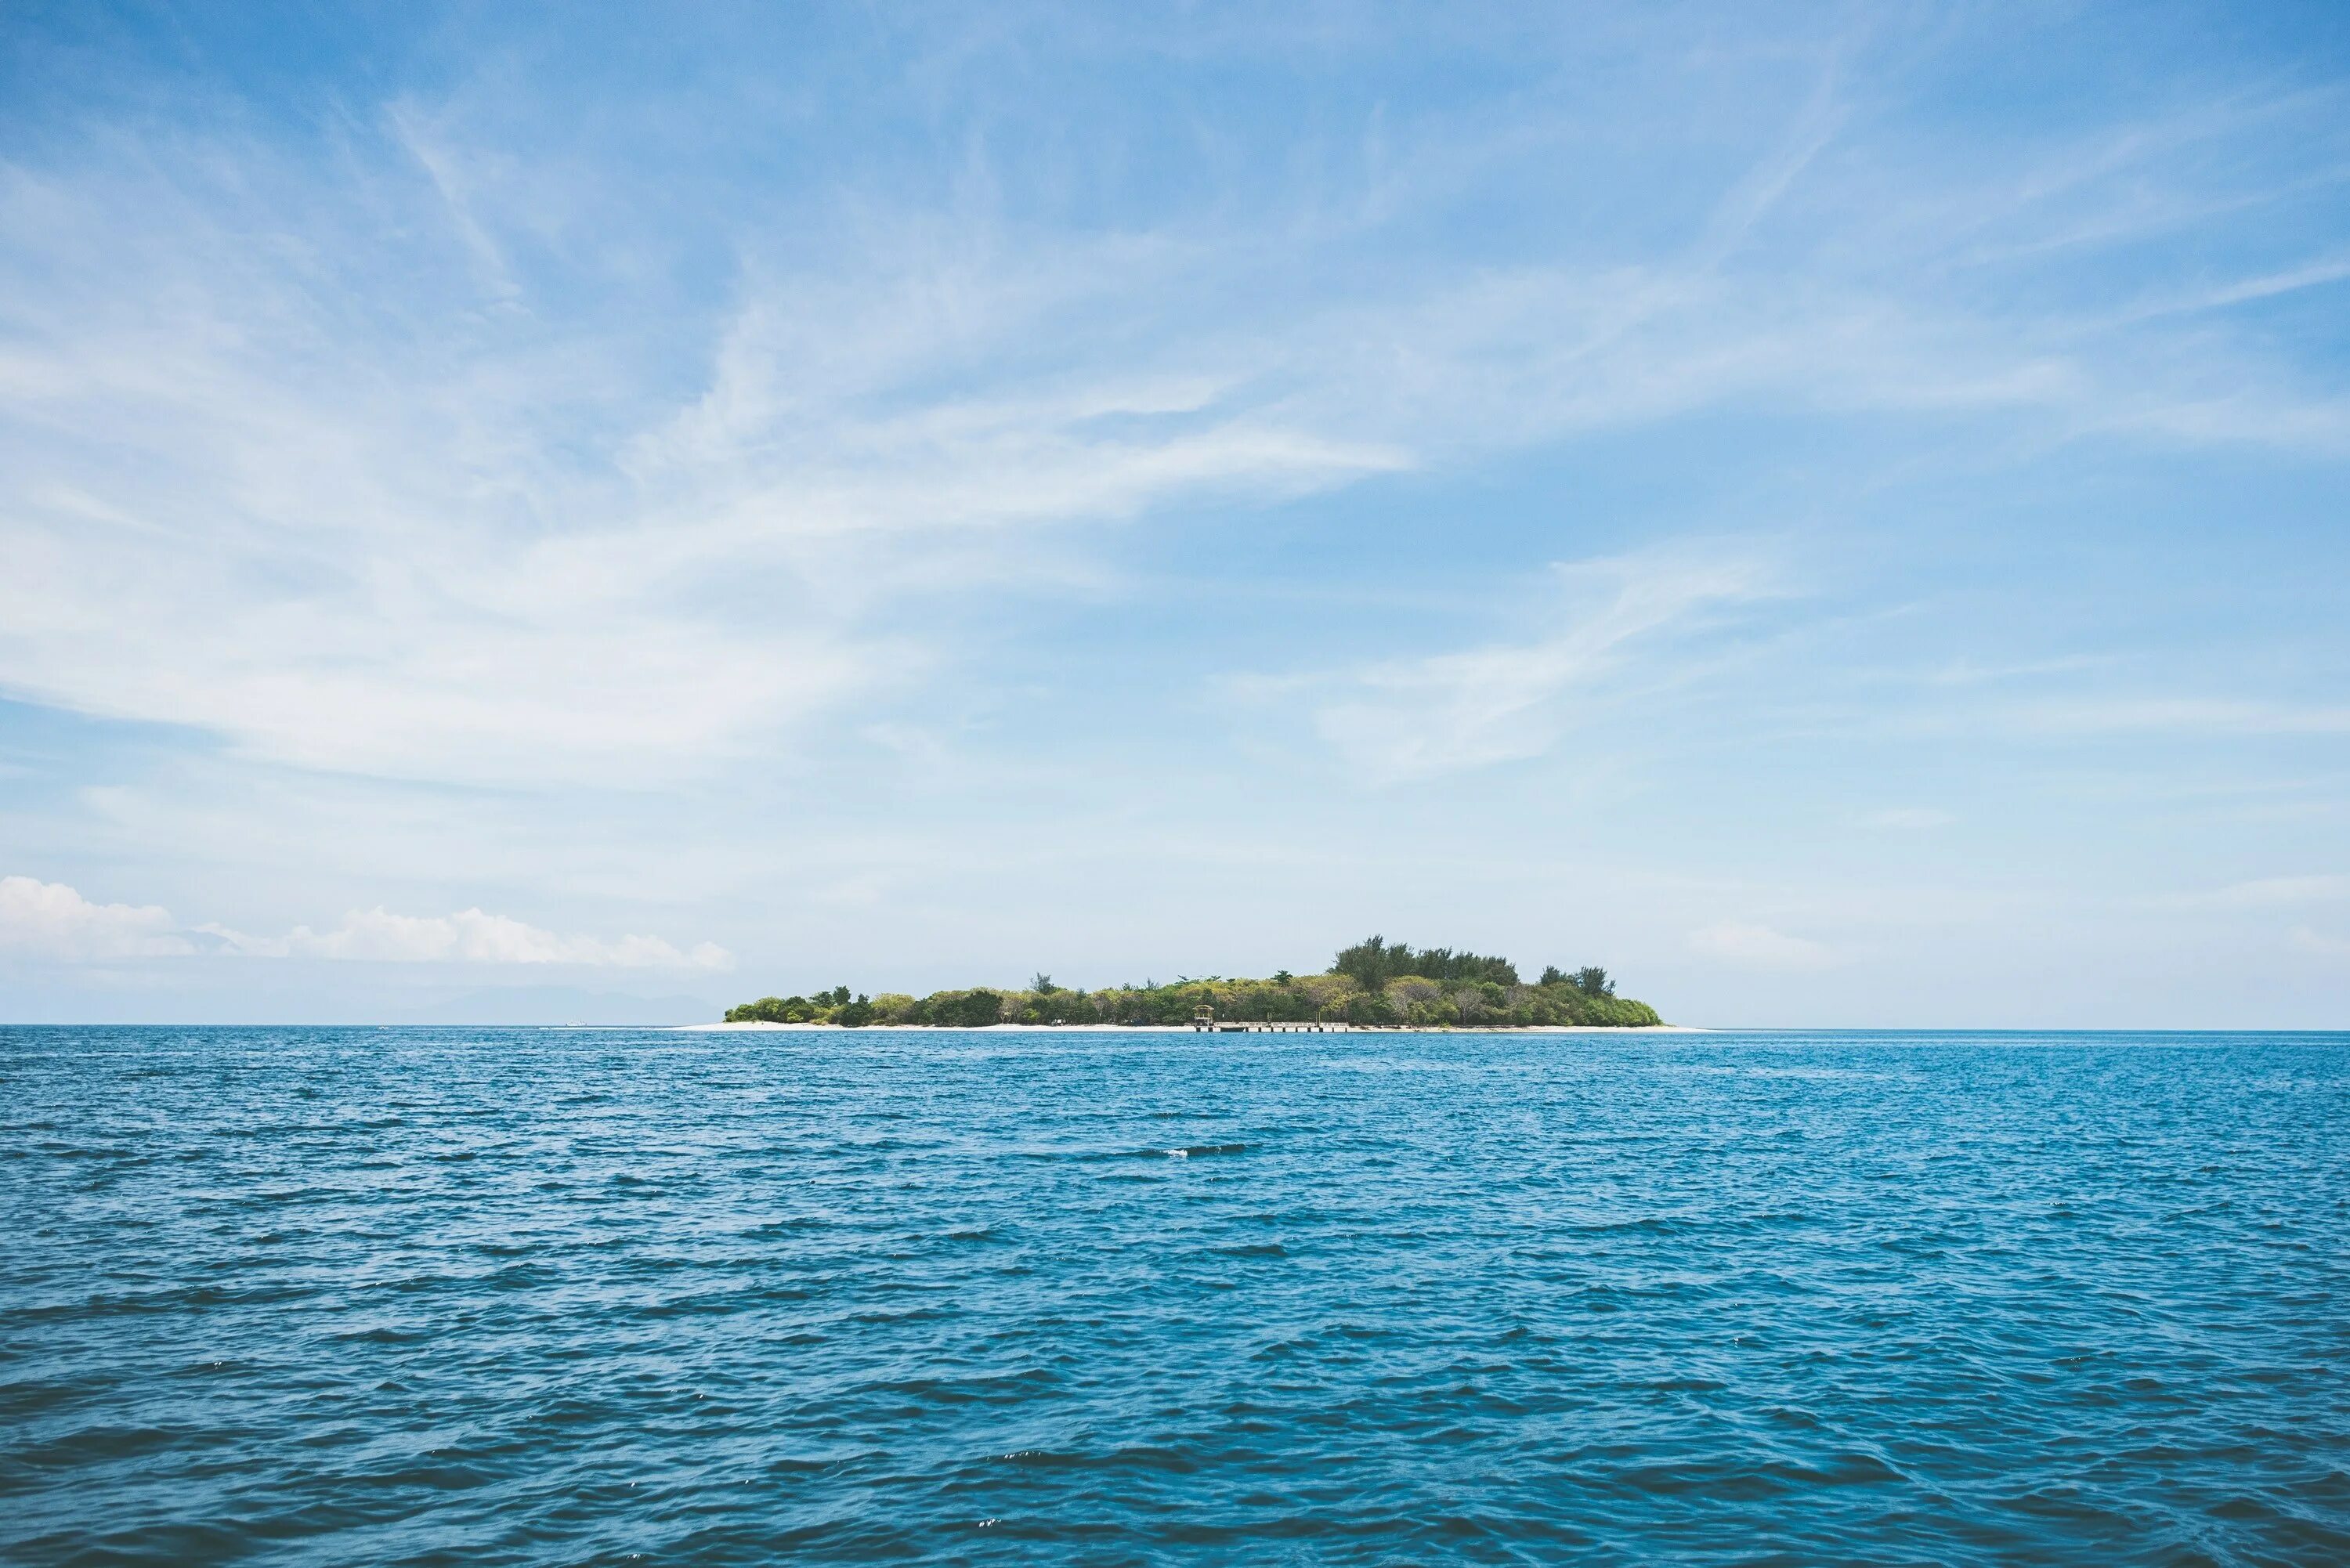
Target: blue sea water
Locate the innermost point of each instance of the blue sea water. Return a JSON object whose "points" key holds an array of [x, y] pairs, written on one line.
{"points": [[515, 1296]]}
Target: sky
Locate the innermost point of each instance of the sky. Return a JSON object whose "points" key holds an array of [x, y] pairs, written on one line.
{"points": [[1836, 513]]}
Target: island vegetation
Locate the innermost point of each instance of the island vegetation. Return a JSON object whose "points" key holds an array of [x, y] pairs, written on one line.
{"points": [[1373, 982]]}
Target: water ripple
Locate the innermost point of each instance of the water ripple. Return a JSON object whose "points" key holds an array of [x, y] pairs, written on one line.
{"points": [[539, 1297]]}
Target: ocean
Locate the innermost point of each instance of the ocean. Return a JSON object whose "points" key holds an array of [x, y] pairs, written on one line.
{"points": [[559, 1296]]}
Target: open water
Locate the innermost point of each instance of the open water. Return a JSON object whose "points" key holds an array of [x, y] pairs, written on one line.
{"points": [[512, 1296]]}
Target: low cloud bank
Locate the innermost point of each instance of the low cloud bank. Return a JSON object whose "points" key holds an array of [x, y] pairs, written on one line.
{"points": [[52, 920]]}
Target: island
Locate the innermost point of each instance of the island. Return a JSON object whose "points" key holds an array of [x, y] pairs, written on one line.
{"points": [[1375, 983]]}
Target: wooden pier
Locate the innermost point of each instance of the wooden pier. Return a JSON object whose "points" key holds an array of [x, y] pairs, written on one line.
{"points": [[1206, 1021]]}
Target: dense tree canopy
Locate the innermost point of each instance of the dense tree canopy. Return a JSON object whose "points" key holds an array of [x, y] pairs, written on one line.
{"points": [[1372, 982], [1374, 960]]}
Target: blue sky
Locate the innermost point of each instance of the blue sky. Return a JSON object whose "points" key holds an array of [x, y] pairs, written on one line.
{"points": [[1836, 513]]}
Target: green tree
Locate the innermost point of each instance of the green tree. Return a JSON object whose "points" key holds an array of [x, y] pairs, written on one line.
{"points": [[971, 1009], [1374, 961], [1369, 963]]}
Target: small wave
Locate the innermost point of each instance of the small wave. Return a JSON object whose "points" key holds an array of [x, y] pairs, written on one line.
{"points": [[1591, 1308]]}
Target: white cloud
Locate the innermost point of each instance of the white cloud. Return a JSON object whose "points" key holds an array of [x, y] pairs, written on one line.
{"points": [[397, 556], [52, 920], [378, 494], [1487, 705], [2312, 274], [1759, 947]]}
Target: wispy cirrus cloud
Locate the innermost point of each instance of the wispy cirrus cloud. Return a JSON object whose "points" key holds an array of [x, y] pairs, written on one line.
{"points": [[463, 554], [393, 491], [1474, 707]]}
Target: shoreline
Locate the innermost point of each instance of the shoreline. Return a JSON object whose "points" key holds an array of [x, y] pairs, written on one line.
{"points": [[1188, 1029]]}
